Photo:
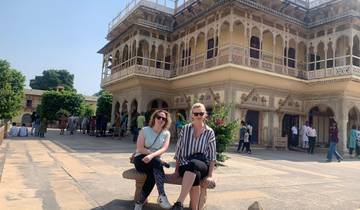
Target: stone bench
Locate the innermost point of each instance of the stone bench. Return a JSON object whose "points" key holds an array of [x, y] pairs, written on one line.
{"points": [[140, 179]]}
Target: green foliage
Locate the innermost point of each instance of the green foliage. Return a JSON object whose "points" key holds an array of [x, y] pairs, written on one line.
{"points": [[104, 105], [52, 78], [99, 93], [53, 102], [62, 112], [224, 129], [87, 111], [12, 84]]}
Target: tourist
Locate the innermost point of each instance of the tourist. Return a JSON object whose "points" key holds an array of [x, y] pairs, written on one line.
{"points": [[195, 156], [152, 142], [62, 123], [352, 140], [72, 124], [23, 131], [43, 127], [243, 130], [334, 139], [14, 130], [311, 133], [250, 128], [304, 137], [294, 135], [247, 141]]}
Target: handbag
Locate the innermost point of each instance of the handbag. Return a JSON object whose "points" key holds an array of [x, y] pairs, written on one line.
{"points": [[132, 157], [199, 156]]}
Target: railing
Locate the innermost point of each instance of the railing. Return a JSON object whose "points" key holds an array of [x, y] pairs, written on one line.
{"points": [[167, 6], [239, 55]]}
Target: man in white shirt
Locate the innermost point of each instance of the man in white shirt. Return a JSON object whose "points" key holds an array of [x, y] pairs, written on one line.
{"points": [[304, 137], [311, 133], [294, 135], [250, 129], [23, 131], [14, 130]]}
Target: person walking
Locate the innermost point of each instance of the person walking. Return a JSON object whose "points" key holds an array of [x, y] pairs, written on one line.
{"points": [[153, 141], [294, 135], [195, 156], [311, 133], [250, 128], [334, 139], [247, 141], [62, 123], [352, 140], [304, 137], [243, 130]]}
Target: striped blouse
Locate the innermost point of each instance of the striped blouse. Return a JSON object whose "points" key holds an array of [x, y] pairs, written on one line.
{"points": [[187, 144]]}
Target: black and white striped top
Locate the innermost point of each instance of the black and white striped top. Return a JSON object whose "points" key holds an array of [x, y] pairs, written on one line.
{"points": [[188, 145]]}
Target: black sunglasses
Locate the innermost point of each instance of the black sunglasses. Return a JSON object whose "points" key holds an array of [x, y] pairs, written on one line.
{"points": [[198, 113], [161, 118]]}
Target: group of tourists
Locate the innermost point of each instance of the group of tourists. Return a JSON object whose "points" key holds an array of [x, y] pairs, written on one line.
{"points": [[18, 131], [195, 156], [245, 137], [93, 126]]}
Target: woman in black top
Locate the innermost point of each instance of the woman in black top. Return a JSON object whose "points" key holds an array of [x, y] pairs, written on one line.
{"points": [[195, 156]]}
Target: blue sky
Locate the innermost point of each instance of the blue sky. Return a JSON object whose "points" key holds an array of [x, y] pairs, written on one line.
{"points": [[36, 35]]}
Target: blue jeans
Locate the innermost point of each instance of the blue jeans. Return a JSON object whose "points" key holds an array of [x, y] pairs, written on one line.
{"points": [[332, 151]]}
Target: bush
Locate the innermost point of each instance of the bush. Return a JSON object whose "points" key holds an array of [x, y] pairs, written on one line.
{"points": [[224, 129]]}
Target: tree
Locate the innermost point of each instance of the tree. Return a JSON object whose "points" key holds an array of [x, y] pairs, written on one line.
{"points": [[87, 111], [53, 78], [104, 105], [55, 101], [12, 84]]}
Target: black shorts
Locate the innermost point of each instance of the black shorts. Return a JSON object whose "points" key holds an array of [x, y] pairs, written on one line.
{"points": [[200, 168]]}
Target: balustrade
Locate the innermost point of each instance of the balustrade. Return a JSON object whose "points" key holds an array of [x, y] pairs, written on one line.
{"points": [[235, 54]]}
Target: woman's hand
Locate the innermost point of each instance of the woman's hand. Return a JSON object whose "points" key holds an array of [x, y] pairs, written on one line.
{"points": [[210, 181], [147, 158]]}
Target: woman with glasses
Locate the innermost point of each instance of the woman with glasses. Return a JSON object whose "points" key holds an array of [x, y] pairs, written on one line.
{"points": [[195, 156], [152, 142]]}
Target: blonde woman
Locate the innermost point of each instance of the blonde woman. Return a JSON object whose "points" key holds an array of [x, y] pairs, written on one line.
{"points": [[195, 156], [152, 142]]}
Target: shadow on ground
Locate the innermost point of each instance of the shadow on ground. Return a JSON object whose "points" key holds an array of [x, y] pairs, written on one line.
{"points": [[118, 204]]}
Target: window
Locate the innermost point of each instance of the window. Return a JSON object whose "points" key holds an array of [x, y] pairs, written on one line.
{"points": [[254, 47], [186, 57], [28, 103], [291, 56], [212, 49]]}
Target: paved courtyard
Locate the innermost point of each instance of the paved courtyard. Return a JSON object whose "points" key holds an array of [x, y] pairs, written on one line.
{"points": [[82, 172]]}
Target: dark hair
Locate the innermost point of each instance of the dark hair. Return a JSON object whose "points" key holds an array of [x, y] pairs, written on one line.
{"points": [[23, 124], [14, 123], [353, 127]]}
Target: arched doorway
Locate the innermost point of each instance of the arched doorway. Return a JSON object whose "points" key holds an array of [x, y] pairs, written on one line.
{"points": [[321, 117], [26, 118], [287, 123]]}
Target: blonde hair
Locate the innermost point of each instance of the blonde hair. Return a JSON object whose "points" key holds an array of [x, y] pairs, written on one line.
{"points": [[168, 118], [198, 105]]}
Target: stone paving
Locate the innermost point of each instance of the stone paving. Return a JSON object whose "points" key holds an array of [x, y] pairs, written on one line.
{"points": [[82, 172]]}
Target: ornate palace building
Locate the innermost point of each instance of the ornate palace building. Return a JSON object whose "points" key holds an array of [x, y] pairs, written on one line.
{"points": [[279, 62]]}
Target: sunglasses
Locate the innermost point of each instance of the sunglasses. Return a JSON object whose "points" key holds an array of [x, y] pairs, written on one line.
{"points": [[198, 114], [161, 118]]}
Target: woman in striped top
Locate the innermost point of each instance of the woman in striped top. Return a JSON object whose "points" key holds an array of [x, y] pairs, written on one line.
{"points": [[195, 156]]}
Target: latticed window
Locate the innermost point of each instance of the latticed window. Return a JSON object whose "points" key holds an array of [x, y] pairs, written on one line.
{"points": [[212, 48]]}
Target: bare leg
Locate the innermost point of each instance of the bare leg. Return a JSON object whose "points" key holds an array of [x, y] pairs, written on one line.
{"points": [[194, 197], [187, 182]]}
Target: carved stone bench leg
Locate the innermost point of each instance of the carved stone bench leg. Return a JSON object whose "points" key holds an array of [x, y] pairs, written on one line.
{"points": [[138, 186]]}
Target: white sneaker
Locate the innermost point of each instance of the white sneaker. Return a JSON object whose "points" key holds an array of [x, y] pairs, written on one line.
{"points": [[163, 202], [138, 206]]}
